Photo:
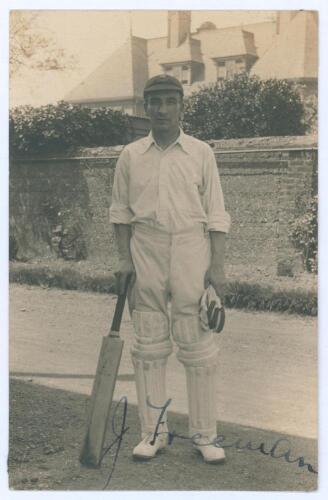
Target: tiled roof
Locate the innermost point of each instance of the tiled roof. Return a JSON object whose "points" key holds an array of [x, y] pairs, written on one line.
{"points": [[119, 76], [227, 42], [264, 33], [189, 50], [293, 53]]}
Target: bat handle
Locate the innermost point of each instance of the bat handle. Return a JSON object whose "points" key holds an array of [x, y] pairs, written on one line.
{"points": [[116, 323]]}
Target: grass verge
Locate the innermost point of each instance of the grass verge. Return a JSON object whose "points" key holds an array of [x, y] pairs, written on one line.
{"points": [[240, 294], [65, 277]]}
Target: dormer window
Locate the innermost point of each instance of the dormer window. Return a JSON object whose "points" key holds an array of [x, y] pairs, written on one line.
{"points": [[228, 67], [185, 75], [221, 70], [184, 61], [240, 65], [181, 72]]}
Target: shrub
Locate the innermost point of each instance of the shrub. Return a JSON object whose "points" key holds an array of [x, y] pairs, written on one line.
{"points": [[304, 235], [244, 106], [311, 114], [56, 128], [13, 248], [241, 295], [285, 267]]}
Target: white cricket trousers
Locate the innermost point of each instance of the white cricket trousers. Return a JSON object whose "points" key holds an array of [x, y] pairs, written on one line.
{"points": [[171, 268]]}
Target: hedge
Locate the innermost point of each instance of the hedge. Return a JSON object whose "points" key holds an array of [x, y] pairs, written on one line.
{"points": [[244, 106], [57, 128], [239, 295]]}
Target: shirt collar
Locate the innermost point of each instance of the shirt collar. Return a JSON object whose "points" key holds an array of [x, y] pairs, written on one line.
{"points": [[182, 140]]}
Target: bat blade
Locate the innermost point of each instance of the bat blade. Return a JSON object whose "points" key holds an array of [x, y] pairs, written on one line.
{"points": [[101, 399]]}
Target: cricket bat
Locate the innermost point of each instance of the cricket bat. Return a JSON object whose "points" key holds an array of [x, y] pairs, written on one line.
{"points": [[103, 389]]}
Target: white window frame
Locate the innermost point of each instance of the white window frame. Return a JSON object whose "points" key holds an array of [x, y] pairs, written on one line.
{"points": [[221, 75], [240, 65], [185, 74], [181, 72]]}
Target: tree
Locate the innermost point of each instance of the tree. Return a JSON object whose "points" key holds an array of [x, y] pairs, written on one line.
{"points": [[30, 46], [244, 106]]}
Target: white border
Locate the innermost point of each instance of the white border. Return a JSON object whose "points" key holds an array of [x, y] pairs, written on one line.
{"points": [[322, 7]]}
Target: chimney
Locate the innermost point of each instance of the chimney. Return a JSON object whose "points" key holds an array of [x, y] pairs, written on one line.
{"points": [[178, 27]]}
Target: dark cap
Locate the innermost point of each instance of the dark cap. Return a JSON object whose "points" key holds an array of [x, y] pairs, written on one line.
{"points": [[163, 82]]}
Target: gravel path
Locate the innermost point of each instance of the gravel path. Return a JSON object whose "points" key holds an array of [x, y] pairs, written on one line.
{"points": [[266, 377], [266, 392]]}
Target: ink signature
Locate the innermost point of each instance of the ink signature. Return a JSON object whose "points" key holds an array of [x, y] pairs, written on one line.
{"points": [[218, 441], [280, 449], [118, 436]]}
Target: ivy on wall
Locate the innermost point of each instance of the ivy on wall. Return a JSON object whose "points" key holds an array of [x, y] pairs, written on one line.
{"points": [[304, 235]]}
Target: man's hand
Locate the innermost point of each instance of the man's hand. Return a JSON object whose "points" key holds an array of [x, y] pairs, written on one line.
{"points": [[126, 272], [215, 276]]}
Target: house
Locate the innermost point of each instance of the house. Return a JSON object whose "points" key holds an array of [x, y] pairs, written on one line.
{"points": [[283, 48], [294, 52]]}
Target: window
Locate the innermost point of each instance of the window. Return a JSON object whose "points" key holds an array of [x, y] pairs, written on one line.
{"points": [[230, 68], [180, 72], [240, 66], [177, 72], [221, 70], [185, 75]]}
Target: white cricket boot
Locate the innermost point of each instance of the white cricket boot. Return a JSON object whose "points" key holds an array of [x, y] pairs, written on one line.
{"points": [[151, 443], [199, 354], [149, 356], [211, 453]]}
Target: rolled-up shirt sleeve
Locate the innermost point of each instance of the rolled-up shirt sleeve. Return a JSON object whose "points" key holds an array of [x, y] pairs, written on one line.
{"points": [[120, 212], [217, 217]]}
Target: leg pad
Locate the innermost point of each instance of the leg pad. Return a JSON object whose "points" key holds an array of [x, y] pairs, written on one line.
{"points": [[149, 356], [199, 354]]}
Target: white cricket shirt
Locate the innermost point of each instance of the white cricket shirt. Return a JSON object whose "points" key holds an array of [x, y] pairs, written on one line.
{"points": [[174, 189]]}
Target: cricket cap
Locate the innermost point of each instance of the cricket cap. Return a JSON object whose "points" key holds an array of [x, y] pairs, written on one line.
{"points": [[162, 82]]}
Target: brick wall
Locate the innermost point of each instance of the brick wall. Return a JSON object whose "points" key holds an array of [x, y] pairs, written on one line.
{"points": [[60, 205]]}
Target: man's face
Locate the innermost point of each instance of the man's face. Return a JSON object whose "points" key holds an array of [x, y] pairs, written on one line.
{"points": [[164, 109]]}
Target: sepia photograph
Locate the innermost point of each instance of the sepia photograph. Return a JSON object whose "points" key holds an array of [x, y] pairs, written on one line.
{"points": [[163, 250]]}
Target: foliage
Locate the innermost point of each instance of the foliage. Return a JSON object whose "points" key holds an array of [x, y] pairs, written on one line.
{"points": [[244, 295], [63, 276], [304, 235], [244, 106], [311, 114], [55, 128], [285, 267], [13, 248], [239, 294], [68, 238], [30, 46]]}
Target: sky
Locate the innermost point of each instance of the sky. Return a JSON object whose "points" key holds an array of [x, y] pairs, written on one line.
{"points": [[92, 35]]}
